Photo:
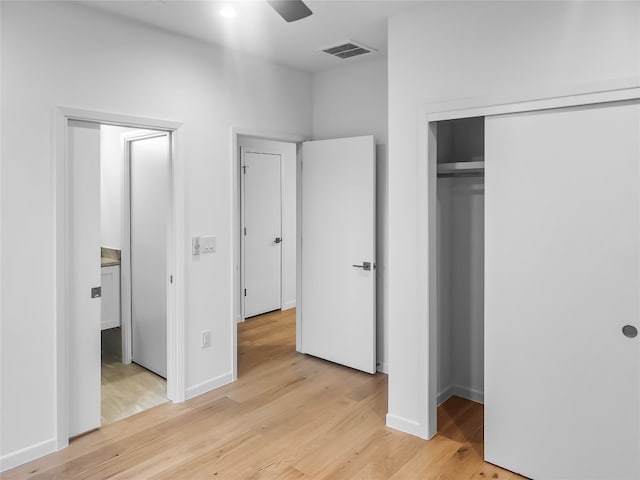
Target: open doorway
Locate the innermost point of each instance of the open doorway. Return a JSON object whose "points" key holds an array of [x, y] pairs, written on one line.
{"points": [[81, 253], [267, 225], [335, 216], [134, 190], [267, 232], [460, 269]]}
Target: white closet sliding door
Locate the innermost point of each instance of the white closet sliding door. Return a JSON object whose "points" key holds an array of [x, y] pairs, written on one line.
{"points": [[562, 223]]}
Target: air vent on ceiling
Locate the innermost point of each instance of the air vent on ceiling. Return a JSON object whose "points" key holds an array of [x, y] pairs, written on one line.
{"points": [[347, 49]]}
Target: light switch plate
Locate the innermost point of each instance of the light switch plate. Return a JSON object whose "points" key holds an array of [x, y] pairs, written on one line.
{"points": [[208, 244]]}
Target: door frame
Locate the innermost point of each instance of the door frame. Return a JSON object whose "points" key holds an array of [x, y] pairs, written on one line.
{"points": [[125, 261], [62, 255], [426, 258], [235, 266], [242, 151]]}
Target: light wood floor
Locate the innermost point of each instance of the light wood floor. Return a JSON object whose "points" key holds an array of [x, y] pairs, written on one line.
{"points": [[289, 416], [126, 389]]}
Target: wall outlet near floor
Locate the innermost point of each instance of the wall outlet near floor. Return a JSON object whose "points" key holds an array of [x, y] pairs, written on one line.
{"points": [[205, 339]]}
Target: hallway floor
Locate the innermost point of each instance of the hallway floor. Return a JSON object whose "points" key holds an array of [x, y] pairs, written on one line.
{"points": [[126, 389], [289, 416]]}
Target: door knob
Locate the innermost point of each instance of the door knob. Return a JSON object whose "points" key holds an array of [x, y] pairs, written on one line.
{"points": [[277, 240], [629, 331], [364, 266]]}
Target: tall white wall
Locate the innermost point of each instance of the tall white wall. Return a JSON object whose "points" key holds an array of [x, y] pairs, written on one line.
{"points": [[446, 51], [289, 209], [111, 189], [349, 101], [65, 54], [461, 287]]}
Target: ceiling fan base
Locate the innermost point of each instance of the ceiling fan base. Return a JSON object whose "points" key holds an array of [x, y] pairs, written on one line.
{"points": [[290, 10]]}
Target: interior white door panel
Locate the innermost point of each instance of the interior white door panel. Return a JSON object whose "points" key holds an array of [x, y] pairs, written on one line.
{"points": [[338, 315], [562, 381]]}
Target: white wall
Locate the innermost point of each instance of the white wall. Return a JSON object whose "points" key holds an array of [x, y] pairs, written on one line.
{"points": [[461, 287], [64, 54], [349, 101], [289, 209], [441, 52], [111, 190]]}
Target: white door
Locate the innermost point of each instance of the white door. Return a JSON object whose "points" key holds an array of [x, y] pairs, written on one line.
{"points": [[150, 196], [338, 315], [83, 147], [262, 227], [562, 266]]}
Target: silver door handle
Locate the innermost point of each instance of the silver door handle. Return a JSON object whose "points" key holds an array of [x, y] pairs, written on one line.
{"points": [[277, 240], [364, 266]]}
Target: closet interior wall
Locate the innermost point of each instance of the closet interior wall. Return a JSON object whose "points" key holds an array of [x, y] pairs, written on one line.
{"points": [[460, 240]]}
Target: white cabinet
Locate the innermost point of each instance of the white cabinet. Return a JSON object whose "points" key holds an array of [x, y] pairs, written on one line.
{"points": [[110, 317]]}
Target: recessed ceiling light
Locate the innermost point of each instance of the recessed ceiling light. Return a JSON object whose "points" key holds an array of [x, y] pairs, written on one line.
{"points": [[228, 12]]}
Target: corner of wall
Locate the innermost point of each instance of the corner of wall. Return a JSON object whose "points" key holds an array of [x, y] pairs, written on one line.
{"points": [[407, 426]]}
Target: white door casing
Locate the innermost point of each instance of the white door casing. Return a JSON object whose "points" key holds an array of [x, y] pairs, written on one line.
{"points": [[83, 146], [149, 174], [562, 269], [337, 304], [261, 232]]}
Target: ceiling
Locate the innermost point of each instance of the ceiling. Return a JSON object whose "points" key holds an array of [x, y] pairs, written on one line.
{"points": [[259, 30]]}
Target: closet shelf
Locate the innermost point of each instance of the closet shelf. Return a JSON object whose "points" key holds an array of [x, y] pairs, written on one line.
{"points": [[466, 168]]}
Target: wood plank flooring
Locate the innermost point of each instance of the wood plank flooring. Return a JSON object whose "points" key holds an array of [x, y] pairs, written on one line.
{"points": [[289, 416], [126, 389]]}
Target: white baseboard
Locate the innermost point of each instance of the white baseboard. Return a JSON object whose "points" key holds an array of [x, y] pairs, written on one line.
{"points": [[27, 454], [407, 426], [209, 385], [383, 367], [445, 395], [288, 305], [472, 394]]}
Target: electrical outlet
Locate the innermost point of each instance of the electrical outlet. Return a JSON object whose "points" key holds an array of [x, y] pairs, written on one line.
{"points": [[205, 339]]}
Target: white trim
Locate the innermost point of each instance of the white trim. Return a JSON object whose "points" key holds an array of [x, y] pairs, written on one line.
{"points": [[383, 368], [426, 176], [472, 394], [299, 247], [539, 104], [234, 264], [27, 454], [289, 305], [176, 318], [405, 425], [209, 385]]}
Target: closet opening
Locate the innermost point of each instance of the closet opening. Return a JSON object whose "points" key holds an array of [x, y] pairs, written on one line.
{"points": [[460, 266]]}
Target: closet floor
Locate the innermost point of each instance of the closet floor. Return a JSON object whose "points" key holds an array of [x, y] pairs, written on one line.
{"points": [[126, 389]]}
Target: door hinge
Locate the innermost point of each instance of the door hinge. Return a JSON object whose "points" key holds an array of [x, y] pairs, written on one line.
{"points": [[170, 278], [245, 292], [245, 231], [244, 169]]}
